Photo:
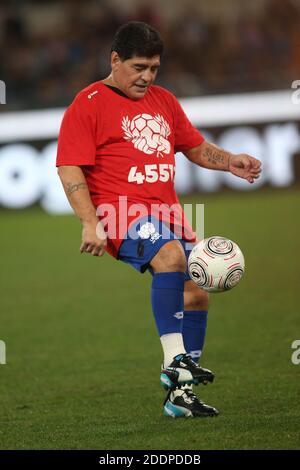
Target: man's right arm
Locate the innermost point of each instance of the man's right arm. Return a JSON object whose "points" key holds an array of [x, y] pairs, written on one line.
{"points": [[77, 192]]}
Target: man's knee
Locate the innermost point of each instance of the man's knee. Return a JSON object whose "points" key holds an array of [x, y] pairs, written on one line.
{"points": [[194, 297], [170, 258]]}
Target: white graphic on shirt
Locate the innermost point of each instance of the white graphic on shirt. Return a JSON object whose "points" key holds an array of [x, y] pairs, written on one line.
{"points": [[92, 94], [148, 230], [147, 133]]}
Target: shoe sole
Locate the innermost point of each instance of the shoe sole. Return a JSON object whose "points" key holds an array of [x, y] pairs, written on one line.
{"points": [[169, 380], [173, 411]]}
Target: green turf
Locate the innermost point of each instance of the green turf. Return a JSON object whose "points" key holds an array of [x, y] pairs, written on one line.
{"points": [[83, 355]]}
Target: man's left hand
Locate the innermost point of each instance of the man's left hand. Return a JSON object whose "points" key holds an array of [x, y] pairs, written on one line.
{"points": [[244, 166]]}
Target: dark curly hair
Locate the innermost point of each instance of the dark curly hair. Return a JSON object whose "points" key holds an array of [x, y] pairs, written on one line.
{"points": [[137, 39]]}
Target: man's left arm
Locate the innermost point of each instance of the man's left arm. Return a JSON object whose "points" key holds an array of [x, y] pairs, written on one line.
{"points": [[213, 157]]}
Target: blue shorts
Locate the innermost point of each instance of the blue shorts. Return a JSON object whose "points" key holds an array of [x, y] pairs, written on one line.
{"points": [[143, 241]]}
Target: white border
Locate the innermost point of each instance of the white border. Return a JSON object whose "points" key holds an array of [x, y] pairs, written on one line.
{"points": [[204, 112]]}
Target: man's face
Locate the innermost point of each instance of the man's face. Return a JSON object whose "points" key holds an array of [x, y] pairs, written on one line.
{"points": [[134, 76]]}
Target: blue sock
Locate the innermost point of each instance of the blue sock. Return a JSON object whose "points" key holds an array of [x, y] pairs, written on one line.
{"points": [[167, 302], [194, 329]]}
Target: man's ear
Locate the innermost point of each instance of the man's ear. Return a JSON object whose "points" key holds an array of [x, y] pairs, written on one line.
{"points": [[114, 60]]}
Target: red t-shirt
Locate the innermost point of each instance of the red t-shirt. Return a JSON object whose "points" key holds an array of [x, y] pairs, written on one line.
{"points": [[126, 150]]}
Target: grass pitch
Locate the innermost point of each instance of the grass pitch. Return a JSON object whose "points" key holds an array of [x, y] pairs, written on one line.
{"points": [[83, 355]]}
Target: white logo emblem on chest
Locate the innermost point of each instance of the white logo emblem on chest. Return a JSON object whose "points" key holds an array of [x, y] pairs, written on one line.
{"points": [[147, 133]]}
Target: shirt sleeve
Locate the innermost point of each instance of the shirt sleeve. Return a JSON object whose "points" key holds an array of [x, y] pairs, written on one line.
{"points": [[77, 136], [186, 135]]}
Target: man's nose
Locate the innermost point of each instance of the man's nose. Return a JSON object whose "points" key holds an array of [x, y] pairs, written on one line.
{"points": [[146, 76]]}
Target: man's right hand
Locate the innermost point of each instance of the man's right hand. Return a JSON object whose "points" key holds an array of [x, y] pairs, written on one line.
{"points": [[94, 238]]}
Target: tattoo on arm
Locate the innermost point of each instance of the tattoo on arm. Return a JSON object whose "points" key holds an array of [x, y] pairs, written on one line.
{"points": [[71, 187], [217, 157]]}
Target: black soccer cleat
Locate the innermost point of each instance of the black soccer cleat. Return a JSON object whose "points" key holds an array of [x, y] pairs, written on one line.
{"points": [[183, 370], [183, 403]]}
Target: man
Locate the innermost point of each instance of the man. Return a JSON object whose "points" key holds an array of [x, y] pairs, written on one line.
{"points": [[117, 141]]}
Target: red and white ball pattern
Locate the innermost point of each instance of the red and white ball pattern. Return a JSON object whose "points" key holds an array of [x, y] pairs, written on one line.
{"points": [[216, 264]]}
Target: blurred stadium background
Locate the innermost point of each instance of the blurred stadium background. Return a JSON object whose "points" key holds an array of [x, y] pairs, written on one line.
{"points": [[66, 320]]}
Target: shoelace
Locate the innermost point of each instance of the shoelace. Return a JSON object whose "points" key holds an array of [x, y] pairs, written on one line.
{"points": [[188, 393], [189, 361], [192, 396], [186, 359]]}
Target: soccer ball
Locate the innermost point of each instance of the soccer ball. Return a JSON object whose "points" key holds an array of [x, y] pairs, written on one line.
{"points": [[216, 264]]}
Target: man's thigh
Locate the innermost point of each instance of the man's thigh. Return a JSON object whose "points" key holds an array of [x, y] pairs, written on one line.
{"points": [[143, 242]]}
